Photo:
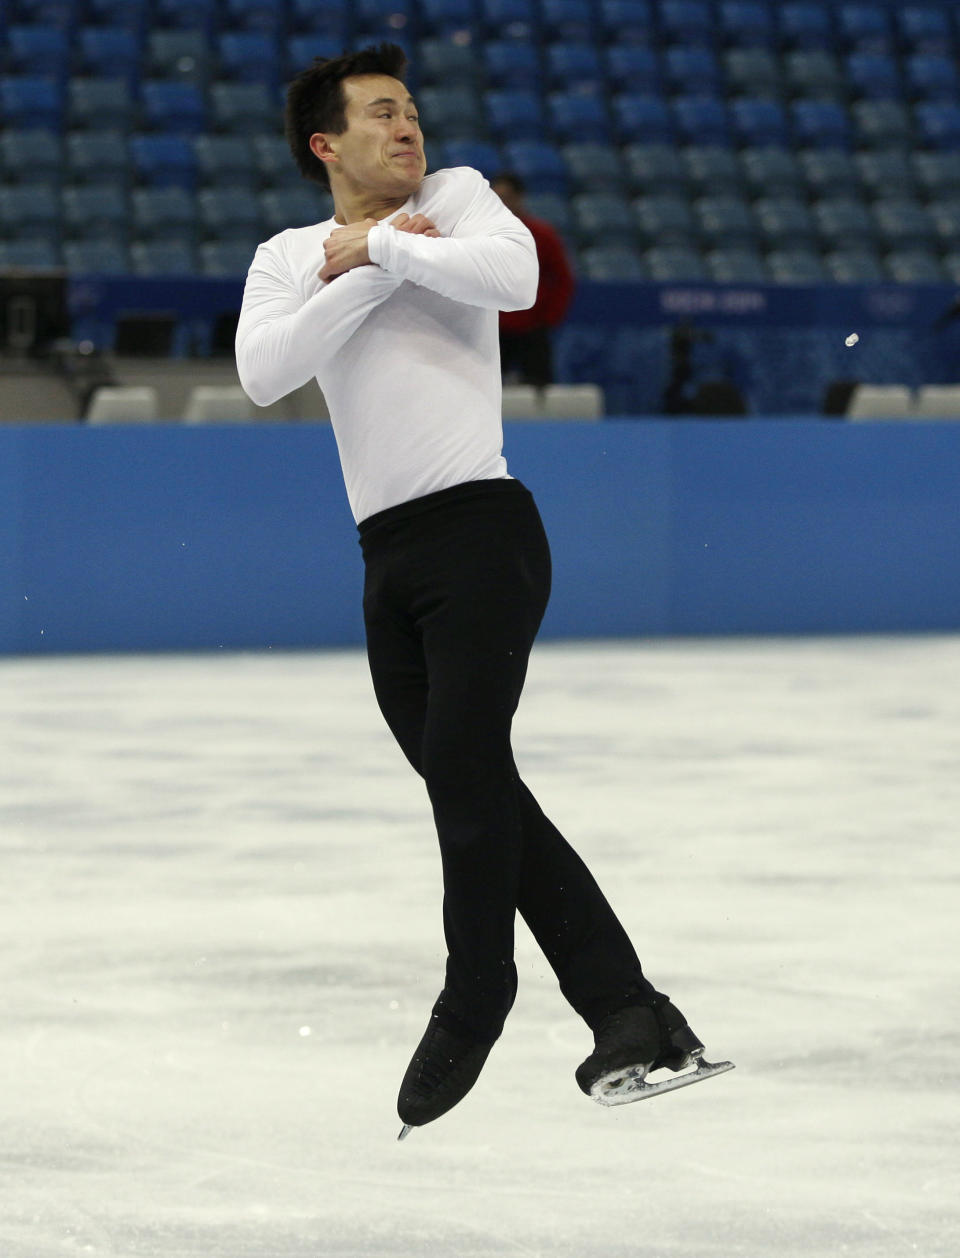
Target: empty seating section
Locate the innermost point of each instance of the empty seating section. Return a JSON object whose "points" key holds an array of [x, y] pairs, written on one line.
{"points": [[742, 141]]}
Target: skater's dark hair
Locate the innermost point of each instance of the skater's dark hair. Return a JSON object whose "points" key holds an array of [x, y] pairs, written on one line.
{"points": [[316, 100]]}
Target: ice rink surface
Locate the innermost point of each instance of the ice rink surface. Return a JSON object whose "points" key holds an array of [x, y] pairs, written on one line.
{"points": [[220, 918]]}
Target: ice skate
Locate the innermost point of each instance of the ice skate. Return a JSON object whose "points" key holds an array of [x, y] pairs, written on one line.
{"points": [[637, 1040], [442, 1071]]}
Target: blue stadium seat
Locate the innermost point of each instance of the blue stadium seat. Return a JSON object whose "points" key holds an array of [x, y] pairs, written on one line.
{"points": [[632, 68], [932, 77], [32, 254], [701, 120], [222, 215], [843, 221], [712, 168], [882, 124], [821, 124], [508, 19], [163, 213], [42, 50], [163, 161], [262, 16], [226, 161], [945, 218], [654, 168], [444, 61], [612, 263], [807, 27], [753, 72], [130, 14], [829, 172], [759, 122], [881, 170], [874, 75], [187, 15], [687, 22], [31, 101], [915, 266], [626, 22], [108, 52], [865, 27], [951, 264], [226, 257], [693, 71], [326, 19], [737, 266], [95, 211], [96, 257], [450, 113], [515, 113], [662, 218], [726, 221], [602, 218], [796, 266], [510, 64], [299, 51], [567, 20], [97, 103], [243, 108], [30, 211], [855, 266], [771, 171], [553, 209], [479, 154], [676, 264], [180, 55], [248, 57], [593, 167], [167, 105], [747, 24], [572, 114], [924, 28], [574, 67], [94, 156], [163, 257], [273, 162], [815, 74], [937, 174], [29, 155], [539, 165], [785, 220], [382, 19], [59, 13], [281, 208], [642, 118], [904, 224], [443, 17]]}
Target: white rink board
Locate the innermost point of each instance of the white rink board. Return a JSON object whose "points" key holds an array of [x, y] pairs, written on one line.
{"points": [[205, 856]]}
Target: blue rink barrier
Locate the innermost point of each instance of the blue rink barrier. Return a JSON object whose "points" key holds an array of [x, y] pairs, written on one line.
{"points": [[239, 537]]}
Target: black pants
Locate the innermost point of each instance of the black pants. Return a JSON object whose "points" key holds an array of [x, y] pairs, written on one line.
{"points": [[456, 586]]}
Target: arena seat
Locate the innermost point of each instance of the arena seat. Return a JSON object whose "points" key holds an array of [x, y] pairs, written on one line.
{"points": [[693, 70], [806, 27], [163, 213], [539, 165], [163, 160], [665, 219], [654, 168], [480, 154], [567, 20], [512, 114], [855, 266], [753, 72], [932, 77], [31, 154], [509, 63], [746, 24], [593, 167], [726, 221], [123, 404], [771, 171], [95, 103], [612, 263], [573, 114], [95, 210], [632, 68], [712, 169], [602, 216], [95, 156], [676, 264], [687, 22], [784, 220], [626, 22], [96, 257], [874, 76], [642, 118], [866, 27], [31, 101], [737, 266], [880, 401]]}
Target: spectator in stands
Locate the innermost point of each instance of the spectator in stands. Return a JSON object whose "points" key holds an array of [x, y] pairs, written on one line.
{"points": [[526, 345]]}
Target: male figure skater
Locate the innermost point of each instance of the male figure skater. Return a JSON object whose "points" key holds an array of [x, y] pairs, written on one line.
{"points": [[392, 306]]}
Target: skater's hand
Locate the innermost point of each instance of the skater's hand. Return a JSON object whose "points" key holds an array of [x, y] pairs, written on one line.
{"points": [[419, 225], [346, 248]]}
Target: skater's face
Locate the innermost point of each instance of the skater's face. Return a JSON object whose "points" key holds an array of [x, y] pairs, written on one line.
{"points": [[381, 150]]}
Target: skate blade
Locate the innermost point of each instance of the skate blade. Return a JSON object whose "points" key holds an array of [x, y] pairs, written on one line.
{"points": [[405, 1131], [621, 1087]]}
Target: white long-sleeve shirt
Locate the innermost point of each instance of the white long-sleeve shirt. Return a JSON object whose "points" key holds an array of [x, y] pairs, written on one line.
{"points": [[405, 349]]}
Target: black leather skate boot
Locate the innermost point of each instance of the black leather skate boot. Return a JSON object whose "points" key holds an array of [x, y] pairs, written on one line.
{"points": [[636, 1040], [445, 1066]]}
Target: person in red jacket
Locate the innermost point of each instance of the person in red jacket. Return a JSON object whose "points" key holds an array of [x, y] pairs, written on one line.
{"points": [[526, 348]]}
